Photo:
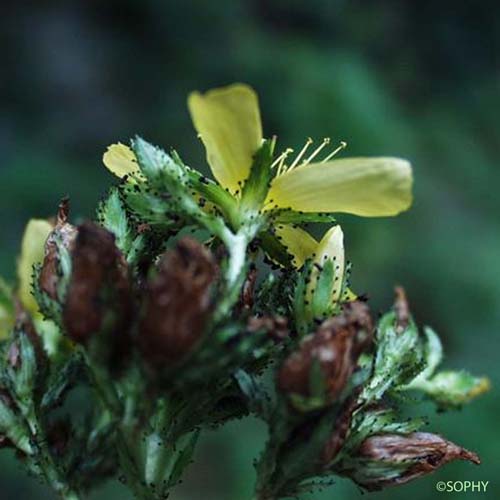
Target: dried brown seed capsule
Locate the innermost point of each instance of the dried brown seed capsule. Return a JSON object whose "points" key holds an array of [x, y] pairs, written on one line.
{"points": [[98, 286], [178, 302], [421, 452], [336, 346], [66, 233]]}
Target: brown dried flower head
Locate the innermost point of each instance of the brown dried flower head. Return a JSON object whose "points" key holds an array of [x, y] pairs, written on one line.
{"points": [[178, 302], [98, 286], [423, 452], [336, 346]]}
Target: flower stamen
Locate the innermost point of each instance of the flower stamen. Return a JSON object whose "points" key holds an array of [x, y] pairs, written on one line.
{"points": [[313, 155], [300, 155], [280, 161], [341, 146]]}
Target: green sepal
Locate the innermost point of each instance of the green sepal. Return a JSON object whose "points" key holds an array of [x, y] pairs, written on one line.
{"points": [[257, 184], [372, 420], [208, 190], [321, 303], [300, 306], [274, 249], [289, 216]]}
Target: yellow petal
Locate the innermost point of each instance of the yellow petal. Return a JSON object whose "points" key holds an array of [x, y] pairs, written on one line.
{"points": [[120, 160], [32, 252], [228, 121], [299, 243], [362, 186]]}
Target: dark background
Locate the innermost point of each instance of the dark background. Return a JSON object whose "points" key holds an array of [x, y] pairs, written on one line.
{"points": [[417, 79]]}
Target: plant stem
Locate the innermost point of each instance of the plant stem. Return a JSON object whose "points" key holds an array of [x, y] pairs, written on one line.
{"points": [[236, 244], [46, 462]]}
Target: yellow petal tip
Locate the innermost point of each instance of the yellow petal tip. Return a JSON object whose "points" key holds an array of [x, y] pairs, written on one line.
{"points": [[120, 160], [32, 252]]}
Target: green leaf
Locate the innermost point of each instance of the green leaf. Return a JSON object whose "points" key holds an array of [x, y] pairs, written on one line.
{"points": [[184, 457], [452, 389], [156, 165], [398, 357], [256, 396], [61, 380], [24, 376], [113, 216], [11, 425], [448, 389]]}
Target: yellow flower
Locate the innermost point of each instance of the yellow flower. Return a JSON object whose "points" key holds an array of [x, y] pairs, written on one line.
{"points": [[32, 252], [228, 122]]}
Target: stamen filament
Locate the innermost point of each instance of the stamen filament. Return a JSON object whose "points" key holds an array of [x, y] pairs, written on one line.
{"points": [[341, 146], [326, 141], [300, 155], [280, 161]]}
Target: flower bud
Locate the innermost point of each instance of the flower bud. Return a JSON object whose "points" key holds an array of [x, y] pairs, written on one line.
{"points": [[178, 302], [391, 459], [335, 348]]}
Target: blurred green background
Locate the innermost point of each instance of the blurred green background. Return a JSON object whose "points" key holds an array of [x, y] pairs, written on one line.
{"points": [[413, 79]]}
